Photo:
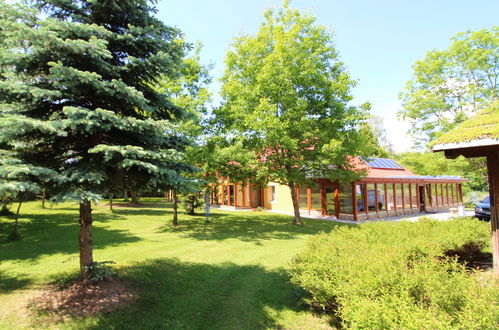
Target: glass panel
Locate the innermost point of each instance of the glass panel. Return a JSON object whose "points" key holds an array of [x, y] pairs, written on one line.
{"points": [[231, 192], [316, 198], [346, 205], [398, 194], [330, 210], [359, 193], [434, 193], [407, 197], [452, 188], [391, 200], [371, 198], [428, 195], [302, 197], [414, 191], [381, 197]]}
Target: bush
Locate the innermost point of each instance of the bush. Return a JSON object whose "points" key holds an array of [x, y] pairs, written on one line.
{"points": [[398, 275], [191, 202], [100, 270]]}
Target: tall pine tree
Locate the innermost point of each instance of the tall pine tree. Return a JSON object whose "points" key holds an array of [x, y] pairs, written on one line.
{"points": [[77, 92]]}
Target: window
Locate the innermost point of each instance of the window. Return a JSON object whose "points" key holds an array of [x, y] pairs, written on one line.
{"points": [[302, 197], [381, 197], [398, 195], [316, 198], [407, 196], [346, 205], [272, 194]]}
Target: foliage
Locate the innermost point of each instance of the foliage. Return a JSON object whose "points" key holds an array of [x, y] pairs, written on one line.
{"points": [[286, 97], [428, 163], [77, 96], [451, 84], [483, 125], [100, 270], [228, 274], [191, 202], [398, 275]]}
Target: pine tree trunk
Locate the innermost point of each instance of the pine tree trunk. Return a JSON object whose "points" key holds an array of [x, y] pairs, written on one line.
{"points": [[86, 257], [44, 196], [125, 198], [192, 201], [175, 209], [135, 198], [14, 232], [296, 208], [111, 202]]}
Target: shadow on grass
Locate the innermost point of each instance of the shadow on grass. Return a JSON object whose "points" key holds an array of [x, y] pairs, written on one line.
{"points": [[10, 283], [253, 227], [56, 232], [178, 295]]}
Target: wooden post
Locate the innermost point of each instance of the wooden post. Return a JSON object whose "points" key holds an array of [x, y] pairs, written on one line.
{"points": [[493, 172], [323, 200], [376, 199], [354, 202]]}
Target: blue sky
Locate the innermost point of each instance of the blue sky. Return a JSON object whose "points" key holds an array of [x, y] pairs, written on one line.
{"points": [[377, 40]]}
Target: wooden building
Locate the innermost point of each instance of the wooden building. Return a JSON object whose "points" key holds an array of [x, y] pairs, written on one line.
{"points": [[389, 189]]}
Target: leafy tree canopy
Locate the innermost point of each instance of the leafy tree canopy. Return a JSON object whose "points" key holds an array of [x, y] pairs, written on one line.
{"points": [[449, 85], [286, 95]]}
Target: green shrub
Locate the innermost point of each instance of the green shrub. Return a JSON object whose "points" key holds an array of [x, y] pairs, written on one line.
{"points": [[398, 275], [100, 270]]}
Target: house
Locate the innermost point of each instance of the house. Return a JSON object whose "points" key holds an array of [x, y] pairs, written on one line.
{"points": [[389, 189]]}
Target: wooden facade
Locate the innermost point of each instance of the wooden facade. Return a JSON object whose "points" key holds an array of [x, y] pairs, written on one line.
{"points": [[367, 199]]}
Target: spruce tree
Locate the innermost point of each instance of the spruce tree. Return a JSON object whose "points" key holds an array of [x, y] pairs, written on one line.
{"points": [[77, 92]]}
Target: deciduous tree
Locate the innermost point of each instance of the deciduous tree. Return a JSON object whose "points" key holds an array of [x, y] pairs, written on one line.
{"points": [[286, 95], [449, 85]]}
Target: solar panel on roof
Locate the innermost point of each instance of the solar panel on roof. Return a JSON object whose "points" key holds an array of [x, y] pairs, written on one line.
{"points": [[383, 163]]}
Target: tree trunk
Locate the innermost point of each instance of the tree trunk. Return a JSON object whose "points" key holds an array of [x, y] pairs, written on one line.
{"points": [[296, 208], [44, 196], [175, 209], [14, 232], [125, 198], [191, 203], [135, 198], [86, 257], [111, 202]]}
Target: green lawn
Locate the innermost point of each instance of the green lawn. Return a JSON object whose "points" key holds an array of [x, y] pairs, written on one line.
{"points": [[230, 273]]}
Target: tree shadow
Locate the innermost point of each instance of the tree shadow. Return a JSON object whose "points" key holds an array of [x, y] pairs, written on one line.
{"points": [[56, 232], [10, 283], [179, 295], [253, 227]]}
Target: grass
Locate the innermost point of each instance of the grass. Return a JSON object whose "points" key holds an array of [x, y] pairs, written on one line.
{"points": [[230, 273]]}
